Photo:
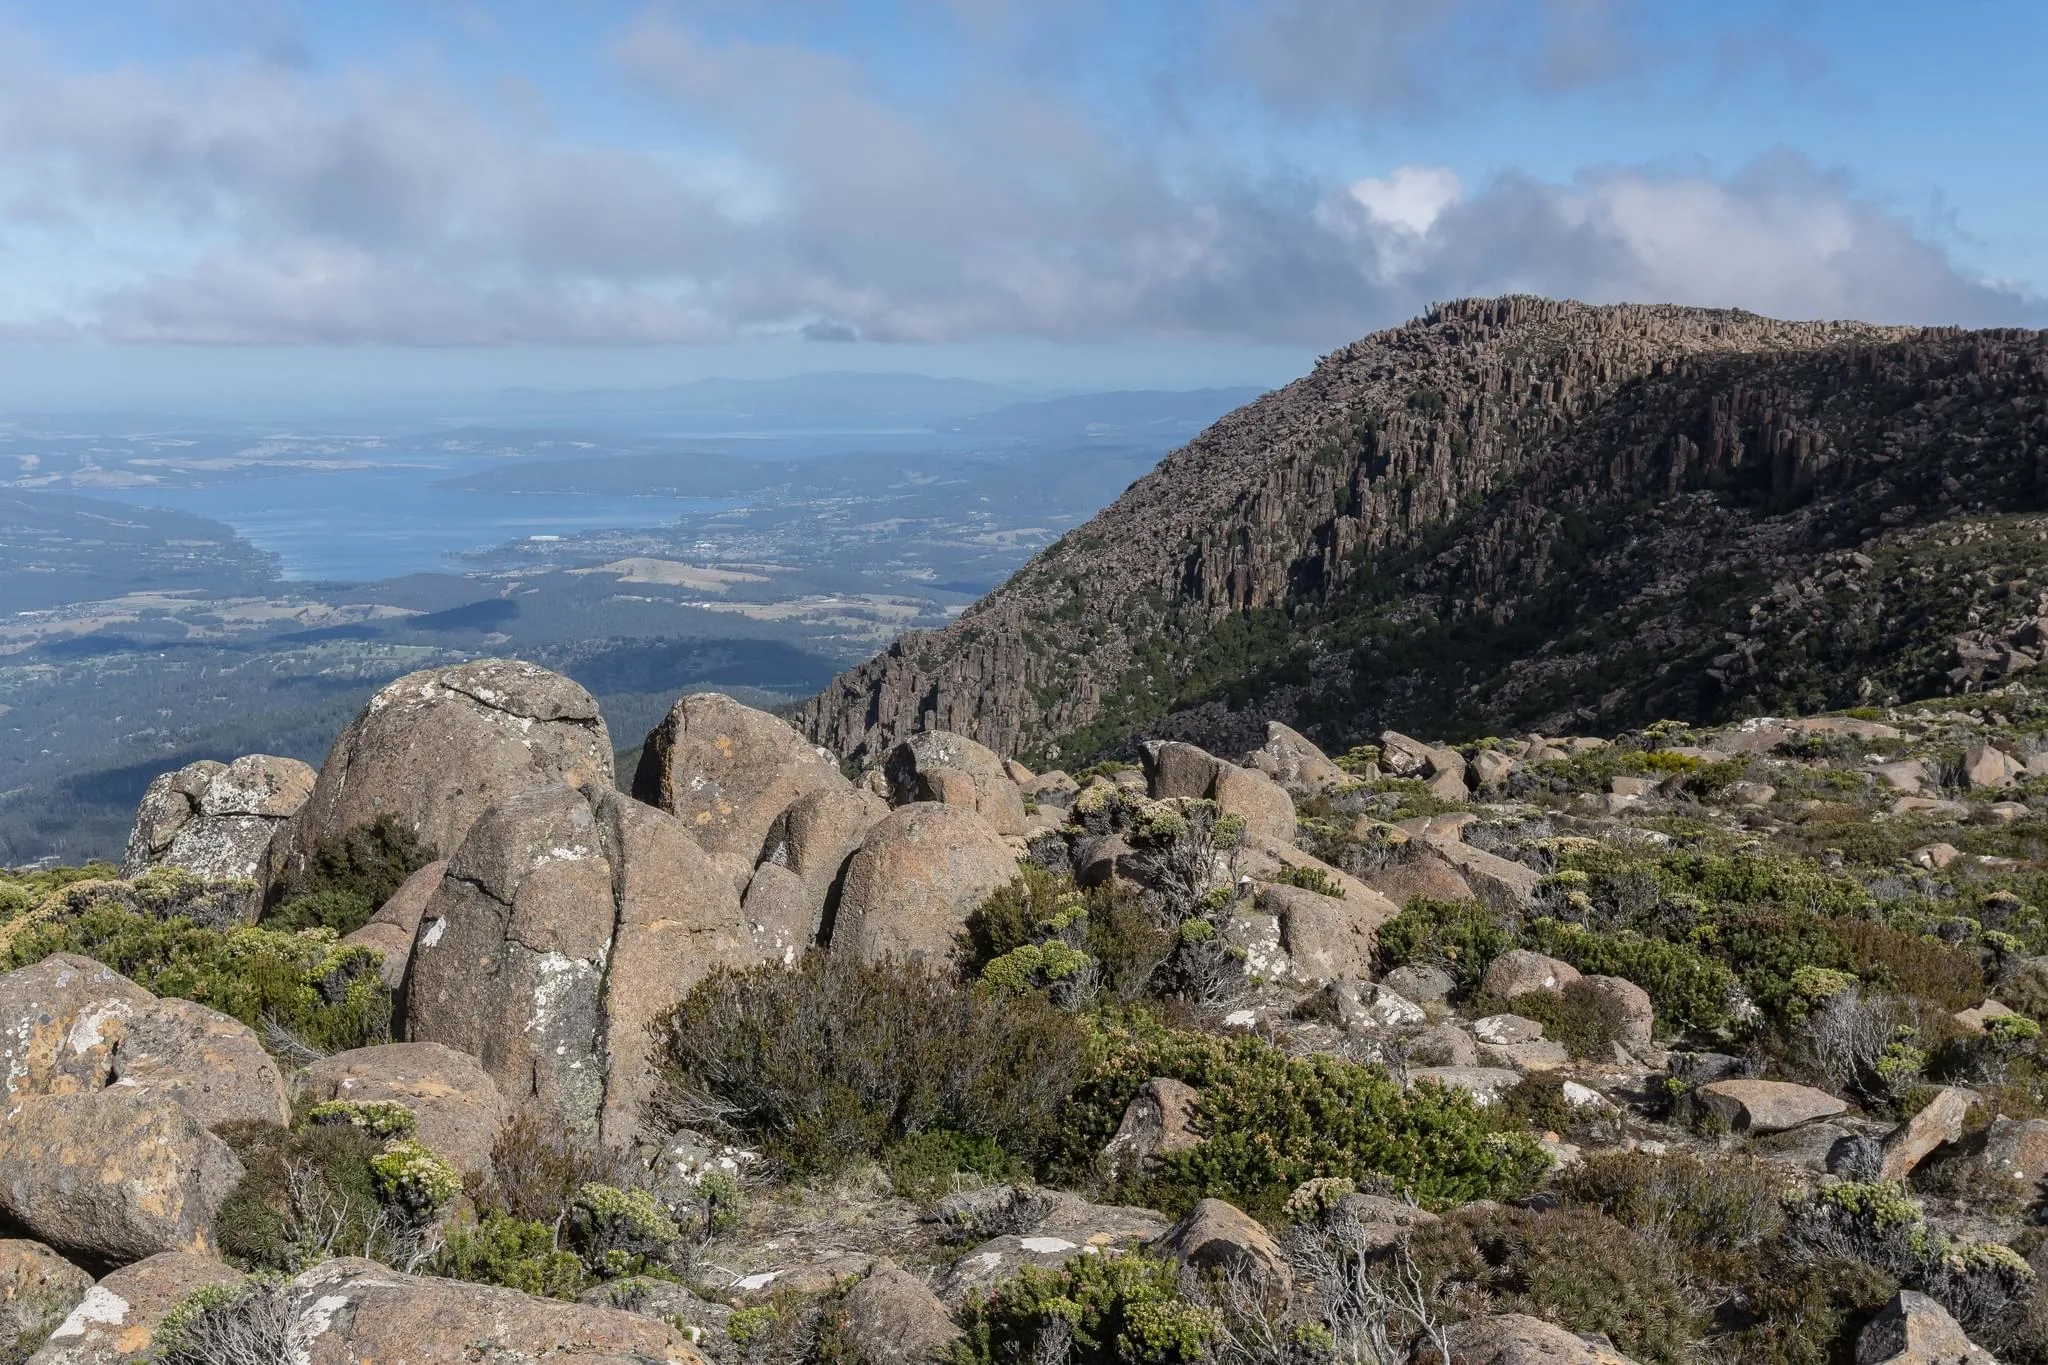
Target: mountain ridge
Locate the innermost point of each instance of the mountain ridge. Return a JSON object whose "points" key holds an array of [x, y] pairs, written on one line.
{"points": [[1419, 529]]}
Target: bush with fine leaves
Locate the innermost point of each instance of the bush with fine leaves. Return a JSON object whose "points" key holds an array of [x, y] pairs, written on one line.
{"points": [[836, 1059]]}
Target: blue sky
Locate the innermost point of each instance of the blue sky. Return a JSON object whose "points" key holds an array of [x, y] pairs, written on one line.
{"points": [[213, 202]]}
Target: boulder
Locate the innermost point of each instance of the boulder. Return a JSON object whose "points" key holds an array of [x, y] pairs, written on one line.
{"points": [[1401, 756], [563, 927], [892, 1318], [351, 1311], [1444, 1045], [1259, 801], [1173, 769], [778, 911], [1519, 971], [1292, 760], [813, 839], [458, 1105], [510, 962], [115, 1322], [1753, 1106], [1909, 776], [938, 765], [1326, 937], [1070, 1227], [211, 1064], [1506, 1030], [2017, 1149], [1419, 870], [1631, 1004], [37, 1289], [70, 1025], [1517, 1339], [1484, 1084], [1497, 880], [1985, 766], [1098, 858], [915, 879], [1021, 775], [217, 819], [1421, 981], [437, 748], [728, 771], [1217, 1236], [392, 930], [1915, 1330], [1369, 1005], [1491, 768], [1158, 1120], [112, 1176], [1940, 1120]]}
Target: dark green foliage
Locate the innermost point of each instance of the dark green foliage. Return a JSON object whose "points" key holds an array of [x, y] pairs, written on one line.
{"points": [[835, 1059], [1272, 1121], [1462, 937], [307, 1196], [1570, 1266], [1111, 1310], [326, 995], [1537, 1102], [516, 1253], [924, 1165], [1123, 940], [1690, 991], [1585, 1019], [349, 877], [1701, 1203], [1913, 964]]}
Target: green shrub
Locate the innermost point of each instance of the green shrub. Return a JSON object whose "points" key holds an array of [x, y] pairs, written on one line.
{"points": [[1717, 1203], [410, 1176], [1570, 1266], [380, 1118], [925, 1164], [1462, 937], [1041, 931], [1310, 879], [1766, 950], [329, 996], [308, 1196], [1689, 990], [539, 1166], [1537, 1102], [835, 1059], [513, 1252], [621, 1232], [1273, 1122], [1913, 964], [24, 891], [1586, 1020], [349, 877], [1106, 1310]]}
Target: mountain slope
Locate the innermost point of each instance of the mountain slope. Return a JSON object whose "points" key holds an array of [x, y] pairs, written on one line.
{"points": [[1521, 513]]}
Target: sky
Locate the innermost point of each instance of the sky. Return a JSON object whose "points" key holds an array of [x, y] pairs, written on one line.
{"points": [[212, 203]]}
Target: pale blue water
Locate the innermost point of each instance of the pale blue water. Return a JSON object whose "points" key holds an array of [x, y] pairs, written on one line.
{"points": [[362, 525]]}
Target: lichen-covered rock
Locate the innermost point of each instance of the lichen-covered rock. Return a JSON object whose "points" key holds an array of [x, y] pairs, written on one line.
{"points": [[217, 819], [392, 930], [70, 1025], [1915, 1330], [1517, 1339], [1174, 768], [350, 1312], [727, 771], [1292, 759], [1632, 1007], [1326, 937], [437, 748], [1519, 971], [2017, 1149], [893, 1318], [115, 1323], [38, 1288], [1159, 1120], [914, 881], [112, 1176], [566, 922], [937, 765], [458, 1106]]}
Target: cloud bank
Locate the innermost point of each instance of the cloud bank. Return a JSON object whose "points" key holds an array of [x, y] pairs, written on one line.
{"points": [[792, 193]]}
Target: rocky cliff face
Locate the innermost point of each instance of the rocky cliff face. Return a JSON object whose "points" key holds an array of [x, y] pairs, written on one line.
{"points": [[1519, 513]]}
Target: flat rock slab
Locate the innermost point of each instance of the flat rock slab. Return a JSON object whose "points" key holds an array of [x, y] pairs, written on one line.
{"points": [[1751, 1106]]}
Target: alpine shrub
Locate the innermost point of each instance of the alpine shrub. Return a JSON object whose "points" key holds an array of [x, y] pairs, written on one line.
{"points": [[1689, 990], [349, 877], [1462, 937], [1094, 1310]]}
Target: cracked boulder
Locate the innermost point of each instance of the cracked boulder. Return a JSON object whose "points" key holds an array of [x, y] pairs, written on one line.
{"points": [[810, 842], [456, 1103], [727, 771], [116, 1321], [69, 1025], [217, 820], [938, 765], [437, 748], [563, 926]]}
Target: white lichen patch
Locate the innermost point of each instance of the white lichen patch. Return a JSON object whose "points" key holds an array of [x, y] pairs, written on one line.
{"points": [[100, 1306]]}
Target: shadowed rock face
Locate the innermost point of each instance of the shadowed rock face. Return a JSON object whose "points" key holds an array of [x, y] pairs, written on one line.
{"points": [[1428, 528], [437, 748]]}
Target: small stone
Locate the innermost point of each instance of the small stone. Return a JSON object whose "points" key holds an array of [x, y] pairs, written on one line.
{"points": [[1633, 787], [2005, 812], [1421, 981], [1749, 793], [1976, 1018]]}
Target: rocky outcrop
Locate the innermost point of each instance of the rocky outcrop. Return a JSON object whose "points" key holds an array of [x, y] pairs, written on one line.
{"points": [[914, 881], [564, 924], [727, 771], [1419, 480], [1159, 1120], [115, 1323], [437, 748], [1220, 1237], [893, 1318], [217, 819], [112, 1176], [935, 765], [810, 841], [71, 1026]]}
